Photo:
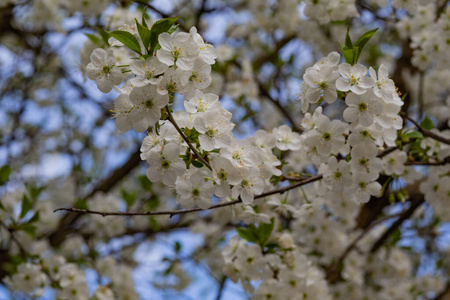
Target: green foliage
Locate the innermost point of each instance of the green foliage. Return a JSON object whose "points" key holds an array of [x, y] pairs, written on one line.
{"points": [[129, 198], [427, 123], [5, 171], [160, 26], [259, 235], [351, 51], [414, 134], [81, 204], [197, 164], [145, 183], [94, 38], [127, 39], [144, 33], [26, 206]]}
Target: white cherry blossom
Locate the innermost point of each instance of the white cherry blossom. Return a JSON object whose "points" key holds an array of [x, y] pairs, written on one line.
{"points": [[178, 48], [147, 71], [354, 79], [103, 70], [166, 165], [362, 108]]}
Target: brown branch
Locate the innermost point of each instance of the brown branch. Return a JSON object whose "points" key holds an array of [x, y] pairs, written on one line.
{"points": [[221, 287], [174, 123], [333, 273], [427, 132], [415, 203], [185, 211]]}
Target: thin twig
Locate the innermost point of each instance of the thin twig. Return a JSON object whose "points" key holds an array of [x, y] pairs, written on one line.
{"points": [[406, 215], [174, 123], [360, 236], [427, 132], [185, 211], [221, 287]]}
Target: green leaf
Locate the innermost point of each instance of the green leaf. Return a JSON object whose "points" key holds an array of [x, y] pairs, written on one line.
{"points": [[349, 55], [81, 204], [177, 247], [159, 27], [34, 192], [362, 41], [127, 39], [128, 197], [145, 183], [144, 16], [5, 171], [34, 218], [26, 206], [94, 38], [197, 164], [414, 134], [264, 232], [28, 228], [154, 225], [348, 40], [427, 123], [105, 35], [247, 234], [144, 33]]}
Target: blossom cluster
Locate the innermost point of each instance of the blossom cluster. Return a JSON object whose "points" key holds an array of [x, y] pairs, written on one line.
{"points": [[372, 115]]}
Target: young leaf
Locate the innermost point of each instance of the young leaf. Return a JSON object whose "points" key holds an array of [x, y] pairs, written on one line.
{"points": [[94, 38], [128, 197], [34, 218], [104, 34], [348, 40], [144, 16], [264, 232], [349, 55], [362, 41], [159, 27], [247, 234], [5, 171], [127, 39], [26, 206], [197, 164], [414, 134], [144, 33], [427, 123]]}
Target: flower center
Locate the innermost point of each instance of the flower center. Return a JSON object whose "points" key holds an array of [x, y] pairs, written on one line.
{"points": [[222, 175], [362, 107], [165, 164], [195, 192], [353, 80], [244, 183], [107, 69], [362, 185], [323, 85], [210, 132], [149, 103], [326, 136]]}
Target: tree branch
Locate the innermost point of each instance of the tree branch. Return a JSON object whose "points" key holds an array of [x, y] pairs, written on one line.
{"points": [[333, 271], [415, 203], [174, 123], [427, 132], [185, 211]]}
